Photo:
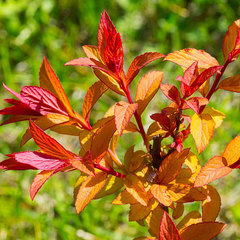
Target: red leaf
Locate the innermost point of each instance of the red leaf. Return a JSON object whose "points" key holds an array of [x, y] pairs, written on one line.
{"points": [[42, 101], [171, 92], [195, 103], [139, 62], [110, 44], [163, 120], [168, 230], [49, 145], [12, 164], [40, 160], [204, 76]]}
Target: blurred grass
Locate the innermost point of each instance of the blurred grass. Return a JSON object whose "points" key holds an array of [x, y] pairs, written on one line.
{"points": [[30, 30]]}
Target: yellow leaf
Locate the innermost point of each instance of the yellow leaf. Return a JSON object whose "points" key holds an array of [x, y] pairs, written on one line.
{"points": [[136, 188], [88, 189], [202, 129], [112, 185], [109, 81], [211, 205], [124, 197], [231, 39], [159, 192], [232, 151], [186, 57], [231, 84], [49, 80], [123, 113], [189, 219], [215, 168], [78, 183], [216, 115], [202, 231], [92, 52], [147, 88]]}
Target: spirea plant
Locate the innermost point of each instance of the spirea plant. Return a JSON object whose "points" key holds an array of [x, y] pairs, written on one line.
{"points": [[158, 180]]}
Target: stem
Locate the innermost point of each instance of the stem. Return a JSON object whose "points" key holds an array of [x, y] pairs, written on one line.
{"points": [[216, 82], [138, 119], [109, 171]]}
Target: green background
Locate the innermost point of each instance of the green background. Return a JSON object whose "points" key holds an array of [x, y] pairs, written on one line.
{"points": [[30, 30]]}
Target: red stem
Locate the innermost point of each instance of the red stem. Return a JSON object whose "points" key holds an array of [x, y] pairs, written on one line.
{"points": [[216, 82], [109, 171]]}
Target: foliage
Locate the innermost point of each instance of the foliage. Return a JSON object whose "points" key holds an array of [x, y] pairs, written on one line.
{"points": [[164, 177]]}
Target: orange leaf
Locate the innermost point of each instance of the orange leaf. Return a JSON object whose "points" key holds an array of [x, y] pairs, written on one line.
{"points": [[177, 191], [145, 238], [154, 219], [215, 168], [89, 188], [191, 196], [123, 113], [124, 197], [147, 88], [231, 40], [112, 185], [202, 129], [84, 164], [136, 188], [211, 205], [178, 211], [168, 230], [45, 122], [186, 57], [171, 166], [202, 231], [159, 192], [101, 139], [137, 160], [109, 81], [93, 94], [189, 219], [231, 84], [49, 80], [139, 62], [138, 212], [232, 151], [49, 145], [39, 180]]}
